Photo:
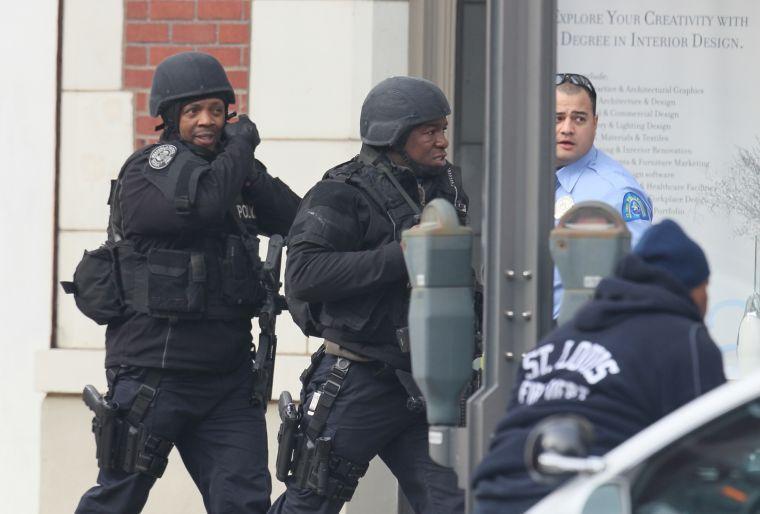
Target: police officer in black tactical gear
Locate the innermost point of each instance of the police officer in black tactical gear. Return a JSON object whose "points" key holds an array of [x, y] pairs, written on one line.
{"points": [[346, 281], [185, 214]]}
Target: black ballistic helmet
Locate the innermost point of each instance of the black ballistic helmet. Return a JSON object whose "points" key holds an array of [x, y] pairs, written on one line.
{"points": [[396, 105], [188, 75]]}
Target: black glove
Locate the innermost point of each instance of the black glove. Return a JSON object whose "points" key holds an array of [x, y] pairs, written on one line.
{"points": [[257, 170], [243, 129]]}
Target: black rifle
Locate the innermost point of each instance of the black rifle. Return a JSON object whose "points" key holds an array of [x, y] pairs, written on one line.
{"points": [[274, 303]]}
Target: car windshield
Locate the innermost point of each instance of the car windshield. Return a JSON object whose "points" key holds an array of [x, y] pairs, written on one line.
{"points": [[716, 469]]}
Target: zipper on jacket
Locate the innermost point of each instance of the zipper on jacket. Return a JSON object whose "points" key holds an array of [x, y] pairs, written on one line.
{"points": [[166, 345], [460, 206], [421, 193]]}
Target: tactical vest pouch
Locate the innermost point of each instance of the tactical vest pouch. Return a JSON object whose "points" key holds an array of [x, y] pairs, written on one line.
{"points": [[240, 276], [96, 286], [143, 452], [176, 282], [306, 315], [351, 314]]}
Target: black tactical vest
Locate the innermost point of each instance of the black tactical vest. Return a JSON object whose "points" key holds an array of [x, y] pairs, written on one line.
{"points": [[385, 311], [212, 274], [381, 192]]}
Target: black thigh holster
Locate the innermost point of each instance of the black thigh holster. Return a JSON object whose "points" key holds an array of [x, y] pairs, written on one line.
{"points": [[304, 454], [121, 439]]}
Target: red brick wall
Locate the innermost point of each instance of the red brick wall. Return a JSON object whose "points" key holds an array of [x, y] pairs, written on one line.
{"points": [[156, 29]]}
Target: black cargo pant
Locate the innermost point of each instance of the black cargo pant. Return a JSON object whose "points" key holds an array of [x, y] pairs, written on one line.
{"points": [[219, 434], [370, 417]]}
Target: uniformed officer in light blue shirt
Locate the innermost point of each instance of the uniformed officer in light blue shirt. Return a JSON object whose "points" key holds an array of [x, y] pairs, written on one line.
{"points": [[586, 173]]}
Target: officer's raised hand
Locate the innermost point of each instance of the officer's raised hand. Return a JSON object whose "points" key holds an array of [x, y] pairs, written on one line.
{"points": [[243, 129]]}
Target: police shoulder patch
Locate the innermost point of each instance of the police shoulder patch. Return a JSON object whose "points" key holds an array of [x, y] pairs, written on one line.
{"points": [[634, 208], [161, 156]]}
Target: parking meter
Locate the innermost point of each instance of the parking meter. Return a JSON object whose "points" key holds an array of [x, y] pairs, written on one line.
{"points": [[438, 255], [588, 241]]}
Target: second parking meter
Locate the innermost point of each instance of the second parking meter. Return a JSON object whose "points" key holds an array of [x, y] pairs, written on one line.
{"points": [[588, 241], [438, 255]]}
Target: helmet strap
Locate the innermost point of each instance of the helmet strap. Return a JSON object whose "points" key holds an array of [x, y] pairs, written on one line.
{"points": [[420, 170], [170, 125]]}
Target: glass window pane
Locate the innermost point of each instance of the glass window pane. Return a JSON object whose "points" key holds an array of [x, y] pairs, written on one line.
{"points": [[714, 469], [606, 499]]}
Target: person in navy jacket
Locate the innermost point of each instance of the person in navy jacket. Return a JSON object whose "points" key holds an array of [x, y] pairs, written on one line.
{"points": [[634, 353]]}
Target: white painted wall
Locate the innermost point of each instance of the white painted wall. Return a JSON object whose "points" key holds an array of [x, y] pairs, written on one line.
{"points": [[92, 39], [28, 37], [312, 64], [96, 138]]}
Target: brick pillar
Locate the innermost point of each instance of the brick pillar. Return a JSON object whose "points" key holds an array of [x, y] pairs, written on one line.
{"points": [[156, 29]]}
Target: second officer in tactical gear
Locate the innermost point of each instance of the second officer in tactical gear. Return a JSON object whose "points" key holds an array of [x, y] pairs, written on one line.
{"points": [[185, 215], [347, 282]]}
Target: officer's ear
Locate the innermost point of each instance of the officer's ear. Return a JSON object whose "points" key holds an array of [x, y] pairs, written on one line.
{"points": [[699, 297], [230, 115]]}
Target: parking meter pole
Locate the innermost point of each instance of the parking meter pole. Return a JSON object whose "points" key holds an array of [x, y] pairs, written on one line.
{"points": [[442, 440], [519, 205]]}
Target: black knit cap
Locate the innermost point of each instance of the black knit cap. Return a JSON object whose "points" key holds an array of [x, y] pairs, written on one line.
{"points": [[667, 246]]}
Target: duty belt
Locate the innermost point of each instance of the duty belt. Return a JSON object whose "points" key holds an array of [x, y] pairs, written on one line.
{"points": [[332, 348]]}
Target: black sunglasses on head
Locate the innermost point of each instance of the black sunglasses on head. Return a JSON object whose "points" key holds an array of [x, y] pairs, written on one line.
{"points": [[576, 80]]}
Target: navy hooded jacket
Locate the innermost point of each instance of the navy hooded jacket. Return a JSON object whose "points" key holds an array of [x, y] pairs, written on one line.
{"points": [[637, 351]]}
